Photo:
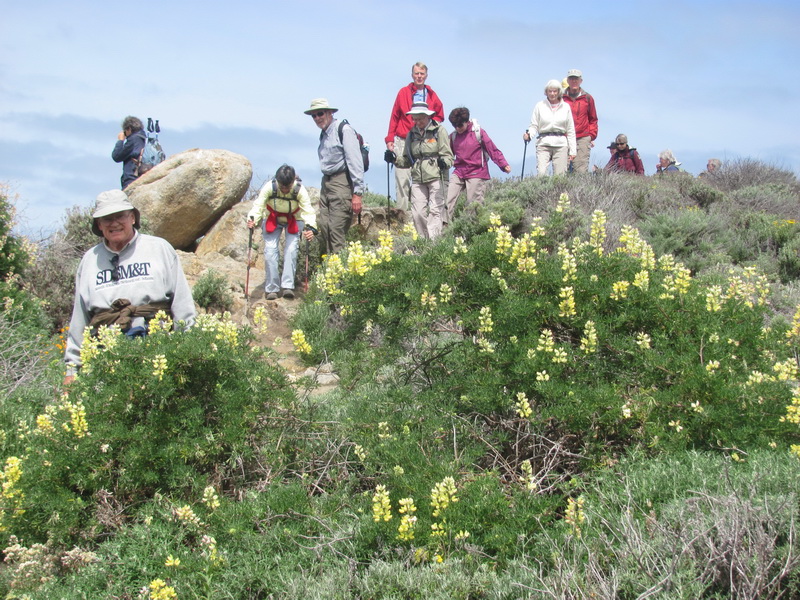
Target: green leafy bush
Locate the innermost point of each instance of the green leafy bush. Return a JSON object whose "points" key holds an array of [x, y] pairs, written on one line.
{"points": [[610, 349], [212, 292], [160, 414]]}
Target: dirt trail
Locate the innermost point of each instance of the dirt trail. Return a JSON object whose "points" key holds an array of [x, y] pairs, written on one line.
{"points": [[279, 330]]}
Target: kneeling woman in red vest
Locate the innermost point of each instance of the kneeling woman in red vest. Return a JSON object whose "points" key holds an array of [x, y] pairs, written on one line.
{"points": [[282, 204]]}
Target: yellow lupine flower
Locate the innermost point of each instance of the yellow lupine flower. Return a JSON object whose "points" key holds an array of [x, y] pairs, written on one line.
{"points": [[563, 202], [642, 280], [574, 515], [299, 341], [210, 498], [566, 307], [569, 265], [523, 406], [159, 590], [442, 495], [485, 320], [589, 339], [159, 366], [643, 340], [597, 234], [381, 506], [405, 532], [386, 247], [619, 290]]}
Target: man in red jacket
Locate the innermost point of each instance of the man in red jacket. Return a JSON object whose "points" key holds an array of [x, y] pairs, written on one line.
{"points": [[584, 114], [400, 124]]}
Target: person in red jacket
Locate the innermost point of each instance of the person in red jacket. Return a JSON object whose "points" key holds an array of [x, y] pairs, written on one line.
{"points": [[625, 159], [584, 114], [400, 124]]}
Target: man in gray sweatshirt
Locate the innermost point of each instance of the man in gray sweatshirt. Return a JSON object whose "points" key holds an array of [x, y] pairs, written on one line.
{"points": [[125, 279]]}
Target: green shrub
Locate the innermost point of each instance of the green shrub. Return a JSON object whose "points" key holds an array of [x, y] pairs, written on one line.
{"points": [[676, 363], [212, 292], [160, 414]]}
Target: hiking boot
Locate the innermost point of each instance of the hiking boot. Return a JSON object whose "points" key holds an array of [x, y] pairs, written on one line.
{"points": [[288, 294], [272, 296]]}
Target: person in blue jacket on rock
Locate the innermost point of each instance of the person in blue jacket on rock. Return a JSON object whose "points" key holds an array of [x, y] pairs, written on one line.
{"points": [[128, 149]]}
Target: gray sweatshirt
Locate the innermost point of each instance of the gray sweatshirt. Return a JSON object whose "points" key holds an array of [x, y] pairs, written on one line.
{"points": [[149, 271]]}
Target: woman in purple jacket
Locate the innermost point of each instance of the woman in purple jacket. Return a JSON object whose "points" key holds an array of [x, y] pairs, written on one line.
{"points": [[472, 147]]}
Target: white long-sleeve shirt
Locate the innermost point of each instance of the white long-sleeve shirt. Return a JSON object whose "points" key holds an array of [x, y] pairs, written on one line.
{"points": [[546, 120]]}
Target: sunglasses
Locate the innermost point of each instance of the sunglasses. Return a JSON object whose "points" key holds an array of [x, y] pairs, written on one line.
{"points": [[115, 269], [317, 115]]}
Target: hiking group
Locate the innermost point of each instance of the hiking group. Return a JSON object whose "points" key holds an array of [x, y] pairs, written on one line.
{"points": [[129, 277]]}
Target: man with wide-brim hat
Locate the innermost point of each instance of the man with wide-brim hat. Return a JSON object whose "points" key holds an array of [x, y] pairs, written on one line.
{"points": [[342, 169], [125, 279]]}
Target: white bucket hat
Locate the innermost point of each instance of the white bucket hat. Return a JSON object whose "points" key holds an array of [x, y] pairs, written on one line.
{"points": [[420, 108], [319, 104], [109, 203]]}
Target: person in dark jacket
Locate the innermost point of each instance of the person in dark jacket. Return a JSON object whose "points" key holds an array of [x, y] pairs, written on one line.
{"points": [[624, 158], [128, 149]]}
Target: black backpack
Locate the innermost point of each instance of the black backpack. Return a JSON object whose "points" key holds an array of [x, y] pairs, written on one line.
{"points": [[363, 146]]}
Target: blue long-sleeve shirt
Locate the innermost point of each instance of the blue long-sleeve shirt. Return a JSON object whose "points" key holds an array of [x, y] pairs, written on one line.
{"points": [[127, 152], [335, 156]]}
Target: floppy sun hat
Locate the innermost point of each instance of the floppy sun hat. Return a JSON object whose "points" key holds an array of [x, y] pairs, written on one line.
{"points": [[109, 203], [420, 108], [320, 104]]}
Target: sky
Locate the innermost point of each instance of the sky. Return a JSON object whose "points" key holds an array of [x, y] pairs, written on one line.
{"points": [[703, 78]]}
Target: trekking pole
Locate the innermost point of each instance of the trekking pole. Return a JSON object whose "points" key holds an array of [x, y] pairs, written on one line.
{"points": [[523, 160], [388, 199], [249, 250], [308, 250]]}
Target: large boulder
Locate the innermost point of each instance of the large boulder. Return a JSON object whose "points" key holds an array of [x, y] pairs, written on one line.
{"points": [[184, 196]]}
